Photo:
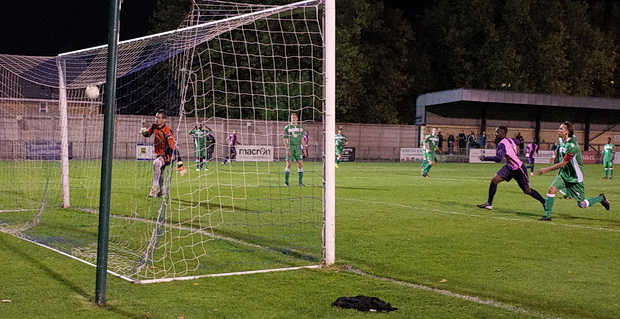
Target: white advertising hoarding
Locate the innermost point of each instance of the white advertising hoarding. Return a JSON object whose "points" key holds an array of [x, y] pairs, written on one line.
{"points": [[411, 154], [475, 153], [254, 153], [145, 152]]}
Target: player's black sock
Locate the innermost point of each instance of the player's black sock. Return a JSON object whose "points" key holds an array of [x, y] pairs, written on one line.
{"points": [[537, 196], [492, 190]]}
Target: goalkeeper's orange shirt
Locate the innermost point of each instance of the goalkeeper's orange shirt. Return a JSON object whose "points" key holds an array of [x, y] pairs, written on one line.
{"points": [[163, 140]]}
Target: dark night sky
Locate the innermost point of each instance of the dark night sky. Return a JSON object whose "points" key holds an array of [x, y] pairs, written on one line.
{"points": [[50, 27]]}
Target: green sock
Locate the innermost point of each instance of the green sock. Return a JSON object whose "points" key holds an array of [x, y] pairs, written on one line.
{"points": [[337, 161], [606, 172], [287, 173], [427, 168], [594, 200], [300, 176], [549, 205]]}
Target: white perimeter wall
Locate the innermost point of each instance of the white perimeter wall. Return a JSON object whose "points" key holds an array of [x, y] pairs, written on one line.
{"points": [[372, 142]]}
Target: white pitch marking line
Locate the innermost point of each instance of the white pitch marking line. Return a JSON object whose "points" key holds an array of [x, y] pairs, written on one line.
{"points": [[485, 216], [444, 292]]}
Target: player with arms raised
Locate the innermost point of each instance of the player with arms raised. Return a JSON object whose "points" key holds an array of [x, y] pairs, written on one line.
{"points": [[200, 143], [293, 139], [514, 168], [571, 173], [165, 150]]}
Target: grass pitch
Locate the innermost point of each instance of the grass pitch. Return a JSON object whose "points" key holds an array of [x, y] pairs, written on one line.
{"points": [[422, 244]]}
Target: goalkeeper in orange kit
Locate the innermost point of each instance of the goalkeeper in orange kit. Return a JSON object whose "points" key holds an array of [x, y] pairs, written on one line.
{"points": [[165, 150]]}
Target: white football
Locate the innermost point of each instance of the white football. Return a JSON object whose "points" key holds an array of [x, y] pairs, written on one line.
{"points": [[92, 92]]}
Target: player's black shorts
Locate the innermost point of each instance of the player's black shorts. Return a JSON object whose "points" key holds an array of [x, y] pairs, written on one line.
{"points": [[520, 175]]}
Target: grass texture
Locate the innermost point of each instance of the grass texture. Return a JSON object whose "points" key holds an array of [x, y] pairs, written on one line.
{"points": [[420, 244]]}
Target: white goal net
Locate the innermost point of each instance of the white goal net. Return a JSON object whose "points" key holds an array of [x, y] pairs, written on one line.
{"points": [[228, 68]]}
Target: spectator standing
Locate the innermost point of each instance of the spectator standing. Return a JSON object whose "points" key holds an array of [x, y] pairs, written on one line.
{"points": [[472, 141], [439, 141], [462, 142], [451, 143], [482, 140], [521, 145]]}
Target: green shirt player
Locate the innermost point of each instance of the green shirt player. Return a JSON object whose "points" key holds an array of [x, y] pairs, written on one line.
{"points": [[293, 140], [570, 176], [341, 141], [200, 144], [429, 145], [608, 159]]}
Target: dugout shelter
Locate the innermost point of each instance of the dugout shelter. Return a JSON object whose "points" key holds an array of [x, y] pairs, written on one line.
{"points": [[538, 109]]}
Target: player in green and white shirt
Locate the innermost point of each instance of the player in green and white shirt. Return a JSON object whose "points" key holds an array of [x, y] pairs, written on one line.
{"points": [[608, 159], [571, 173], [200, 143], [429, 146], [341, 141], [293, 140]]}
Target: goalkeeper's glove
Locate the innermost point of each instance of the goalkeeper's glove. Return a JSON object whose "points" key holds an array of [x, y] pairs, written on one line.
{"points": [[181, 169], [144, 131]]}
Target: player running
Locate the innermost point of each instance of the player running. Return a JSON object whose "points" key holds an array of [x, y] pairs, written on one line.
{"points": [[531, 151], [514, 168], [341, 141], [429, 145], [571, 173]]}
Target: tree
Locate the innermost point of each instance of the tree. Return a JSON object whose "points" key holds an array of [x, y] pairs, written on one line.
{"points": [[374, 52], [534, 45], [169, 14], [459, 46], [373, 57], [605, 16]]}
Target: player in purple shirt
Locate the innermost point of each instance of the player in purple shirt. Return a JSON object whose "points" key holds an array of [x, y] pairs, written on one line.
{"points": [[232, 148], [514, 168], [531, 150]]}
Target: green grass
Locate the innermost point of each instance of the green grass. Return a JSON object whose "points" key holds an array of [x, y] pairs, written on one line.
{"points": [[391, 223], [272, 226]]}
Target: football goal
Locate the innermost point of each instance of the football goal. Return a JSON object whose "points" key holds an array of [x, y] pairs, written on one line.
{"points": [[229, 68]]}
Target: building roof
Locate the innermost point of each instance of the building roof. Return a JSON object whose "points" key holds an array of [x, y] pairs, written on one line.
{"points": [[509, 105]]}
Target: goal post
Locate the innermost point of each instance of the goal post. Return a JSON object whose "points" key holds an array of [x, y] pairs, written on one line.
{"points": [[330, 132], [228, 67]]}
